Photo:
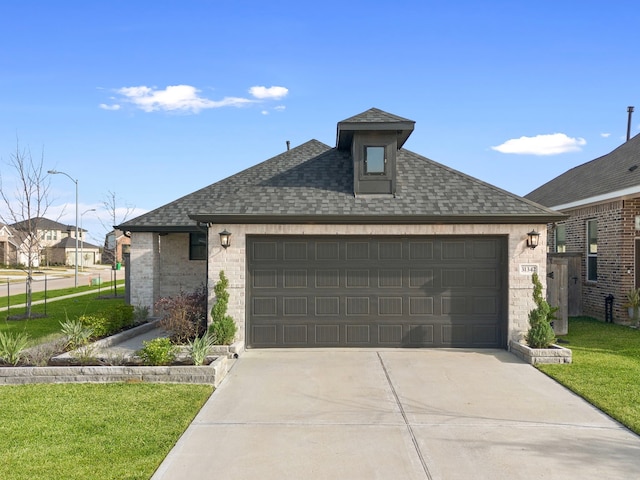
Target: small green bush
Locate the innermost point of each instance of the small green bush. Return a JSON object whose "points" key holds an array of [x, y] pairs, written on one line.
{"points": [[120, 317], [98, 322], [113, 320], [223, 328], [159, 351], [12, 345], [540, 334]]}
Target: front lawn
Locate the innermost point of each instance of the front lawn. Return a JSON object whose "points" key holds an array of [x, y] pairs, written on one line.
{"points": [[42, 329], [605, 369], [97, 431]]}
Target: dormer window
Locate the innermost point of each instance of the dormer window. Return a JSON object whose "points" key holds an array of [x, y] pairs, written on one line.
{"points": [[373, 138], [374, 160]]}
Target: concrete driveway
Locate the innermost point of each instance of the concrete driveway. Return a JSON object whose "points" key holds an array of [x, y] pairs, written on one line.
{"points": [[398, 414]]}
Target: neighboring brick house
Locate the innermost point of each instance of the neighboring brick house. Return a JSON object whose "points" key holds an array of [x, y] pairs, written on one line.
{"points": [[364, 244], [117, 239], [602, 200]]}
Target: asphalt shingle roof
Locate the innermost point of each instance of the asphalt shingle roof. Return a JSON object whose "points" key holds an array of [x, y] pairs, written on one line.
{"points": [[43, 224], [70, 242], [315, 181], [610, 173], [375, 115]]}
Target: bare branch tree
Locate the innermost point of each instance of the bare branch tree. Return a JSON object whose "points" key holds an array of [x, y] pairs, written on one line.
{"points": [[117, 215], [26, 205]]}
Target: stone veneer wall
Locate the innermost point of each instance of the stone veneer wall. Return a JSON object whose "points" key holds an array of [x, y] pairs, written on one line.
{"points": [[616, 253], [174, 256], [143, 268], [520, 302], [160, 267]]}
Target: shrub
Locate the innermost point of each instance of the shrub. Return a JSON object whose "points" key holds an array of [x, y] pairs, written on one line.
{"points": [[12, 345], [199, 348], [159, 351], [540, 334], [109, 322], [184, 316], [40, 354], [77, 334], [140, 314], [120, 316], [223, 328], [98, 323]]}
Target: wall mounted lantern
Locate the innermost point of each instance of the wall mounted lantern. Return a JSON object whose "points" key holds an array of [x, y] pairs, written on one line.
{"points": [[533, 239], [225, 239]]}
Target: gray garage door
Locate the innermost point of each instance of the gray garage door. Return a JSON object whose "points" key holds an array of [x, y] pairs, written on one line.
{"points": [[376, 291]]}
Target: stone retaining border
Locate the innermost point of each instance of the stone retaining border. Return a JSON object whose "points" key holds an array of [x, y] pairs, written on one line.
{"points": [[211, 374], [534, 356]]}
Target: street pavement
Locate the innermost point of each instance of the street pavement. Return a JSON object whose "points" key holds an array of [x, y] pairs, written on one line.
{"points": [[11, 284]]}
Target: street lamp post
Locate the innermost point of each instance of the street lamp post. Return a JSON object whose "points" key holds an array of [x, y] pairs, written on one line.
{"points": [[55, 172], [82, 241]]}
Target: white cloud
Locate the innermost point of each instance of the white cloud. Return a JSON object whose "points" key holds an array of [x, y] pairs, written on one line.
{"points": [[274, 93], [175, 97], [264, 112], [279, 108], [186, 98], [104, 106], [551, 144], [605, 135]]}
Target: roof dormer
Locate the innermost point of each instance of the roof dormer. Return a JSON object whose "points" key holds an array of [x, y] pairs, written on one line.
{"points": [[374, 137]]}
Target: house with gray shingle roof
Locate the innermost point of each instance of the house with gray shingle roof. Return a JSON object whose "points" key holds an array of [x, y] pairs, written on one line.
{"points": [[601, 236], [54, 243], [361, 244]]}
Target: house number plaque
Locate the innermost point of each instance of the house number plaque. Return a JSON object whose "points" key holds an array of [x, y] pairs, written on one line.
{"points": [[528, 268]]}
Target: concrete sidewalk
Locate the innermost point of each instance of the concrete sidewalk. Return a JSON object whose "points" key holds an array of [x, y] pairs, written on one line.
{"points": [[398, 414]]}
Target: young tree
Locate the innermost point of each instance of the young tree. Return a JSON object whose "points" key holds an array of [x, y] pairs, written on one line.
{"points": [[117, 215], [26, 205]]}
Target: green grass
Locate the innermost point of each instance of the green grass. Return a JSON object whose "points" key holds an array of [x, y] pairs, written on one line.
{"points": [[97, 431], [44, 329], [605, 368], [20, 298]]}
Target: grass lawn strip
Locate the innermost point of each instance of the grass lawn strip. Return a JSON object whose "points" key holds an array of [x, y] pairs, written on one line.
{"points": [[98, 431], [105, 289], [605, 368], [41, 329]]}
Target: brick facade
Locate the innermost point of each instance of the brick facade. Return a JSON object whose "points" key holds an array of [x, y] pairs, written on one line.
{"points": [[233, 259], [160, 267], [615, 257]]}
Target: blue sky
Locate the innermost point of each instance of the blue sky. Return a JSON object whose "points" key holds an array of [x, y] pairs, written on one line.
{"points": [[154, 100]]}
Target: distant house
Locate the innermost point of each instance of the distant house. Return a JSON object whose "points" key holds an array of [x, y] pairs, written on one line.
{"points": [[64, 253], [56, 242], [601, 237], [116, 242], [10, 241], [364, 244]]}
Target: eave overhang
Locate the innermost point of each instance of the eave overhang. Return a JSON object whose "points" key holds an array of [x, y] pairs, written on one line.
{"points": [[376, 219], [195, 228], [346, 130]]}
